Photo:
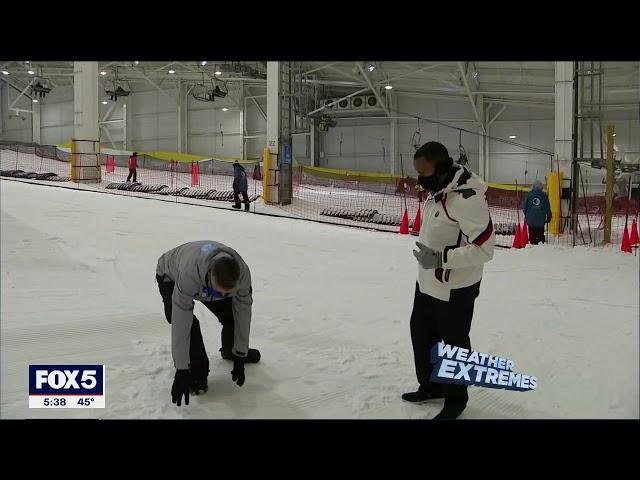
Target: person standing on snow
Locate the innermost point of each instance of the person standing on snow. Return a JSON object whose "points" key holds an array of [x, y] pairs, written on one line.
{"points": [[456, 240], [218, 277], [133, 167], [537, 212], [240, 186]]}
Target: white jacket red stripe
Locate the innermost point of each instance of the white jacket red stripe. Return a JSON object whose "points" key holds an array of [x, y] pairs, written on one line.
{"points": [[456, 222]]}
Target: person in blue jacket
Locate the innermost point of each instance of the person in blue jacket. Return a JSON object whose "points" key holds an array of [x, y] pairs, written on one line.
{"points": [[240, 186], [537, 212]]}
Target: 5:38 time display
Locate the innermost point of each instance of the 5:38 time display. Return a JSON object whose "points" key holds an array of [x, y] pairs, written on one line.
{"points": [[55, 402]]}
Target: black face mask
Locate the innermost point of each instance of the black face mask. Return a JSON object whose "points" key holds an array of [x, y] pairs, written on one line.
{"points": [[431, 182]]}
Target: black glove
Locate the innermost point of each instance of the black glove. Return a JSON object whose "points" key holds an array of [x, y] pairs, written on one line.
{"points": [[199, 380], [180, 387], [237, 374]]}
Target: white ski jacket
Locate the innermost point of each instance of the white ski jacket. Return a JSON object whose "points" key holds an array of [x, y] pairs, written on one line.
{"points": [[456, 222]]}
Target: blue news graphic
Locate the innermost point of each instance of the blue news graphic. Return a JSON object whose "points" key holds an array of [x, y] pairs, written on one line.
{"points": [[66, 380], [463, 367]]}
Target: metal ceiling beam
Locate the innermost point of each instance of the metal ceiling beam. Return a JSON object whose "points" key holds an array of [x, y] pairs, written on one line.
{"points": [[165, 66], [153, 83], [349, 75], [320, 68], [375, 90], [109, 112], [20, 96], [470, 95], [17, 87], [25, 74], [434, 95], [262, 112], [30, 67], [107, 65], [495, 117], [548, 94], [113, 120], [405, 117], [423, 69], [333, 83], [108, 136], [521, 103]]}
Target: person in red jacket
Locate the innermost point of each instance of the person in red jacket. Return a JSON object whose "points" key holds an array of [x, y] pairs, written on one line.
{"points": [[133, 167]]}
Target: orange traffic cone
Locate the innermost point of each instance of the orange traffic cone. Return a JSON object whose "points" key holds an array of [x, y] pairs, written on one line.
{"points": [[110, 164], [633, 238], [194, 174], [626, 244], [517, 240], [404, 224], [415, 230], [524, 237]]}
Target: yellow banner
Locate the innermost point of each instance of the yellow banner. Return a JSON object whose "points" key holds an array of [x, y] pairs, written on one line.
{"points": [[351, 175]]}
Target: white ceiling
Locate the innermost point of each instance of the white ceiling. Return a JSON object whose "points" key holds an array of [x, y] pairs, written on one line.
{"points": [[507, 82]]}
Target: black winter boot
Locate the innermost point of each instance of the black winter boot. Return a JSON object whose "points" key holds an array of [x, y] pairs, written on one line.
{"points": [[449, 412], [423, 394]]}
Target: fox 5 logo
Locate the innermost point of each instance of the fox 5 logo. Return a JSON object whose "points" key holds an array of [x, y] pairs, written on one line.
{"points": [[66, 380]]}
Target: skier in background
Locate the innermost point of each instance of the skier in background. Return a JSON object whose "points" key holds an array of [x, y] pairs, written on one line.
{"points": [[217, 276], [240, 186], [456, 239], [133, 167], [537, 212]]}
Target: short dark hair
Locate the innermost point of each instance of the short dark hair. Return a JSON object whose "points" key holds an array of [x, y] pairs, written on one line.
{"points": [[433, 151], [226, 272], [135, 154]]}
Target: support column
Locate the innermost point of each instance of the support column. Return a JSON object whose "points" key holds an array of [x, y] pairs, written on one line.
{"points": [[127, 115], [180, 108], [35, 122], [124, 126], [564, 124], [393, 145], [610, 179], [481, 129], [279, 170], [3, 115], [85, 163], [393, 136], [312, 142], [487, 143], [241, 104]]}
